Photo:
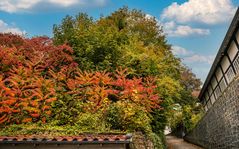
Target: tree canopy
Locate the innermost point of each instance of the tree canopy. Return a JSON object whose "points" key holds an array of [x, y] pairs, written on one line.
{"points": [[126, 38], [133, 40]]}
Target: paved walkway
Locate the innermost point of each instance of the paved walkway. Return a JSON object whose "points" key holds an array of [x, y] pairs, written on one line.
{"points": [[178, 143]]}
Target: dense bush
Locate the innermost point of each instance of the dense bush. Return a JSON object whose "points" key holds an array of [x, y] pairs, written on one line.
{"points": [[26, 89], [185, 117], [41, 82], [129, 39]]}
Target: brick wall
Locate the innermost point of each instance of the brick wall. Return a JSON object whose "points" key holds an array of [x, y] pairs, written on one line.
{"points": [[219, 128]]}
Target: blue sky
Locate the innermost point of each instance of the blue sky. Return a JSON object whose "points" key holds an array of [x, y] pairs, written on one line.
{"points": [[194, 28]]}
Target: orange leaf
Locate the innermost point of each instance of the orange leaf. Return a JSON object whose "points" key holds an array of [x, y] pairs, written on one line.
{"points": [[48, 112], [15, 111], [3, 118], [35, 115], [8, 102], [26, 120], [51, 99], [34, 103], [44, 120], [45, 107]]}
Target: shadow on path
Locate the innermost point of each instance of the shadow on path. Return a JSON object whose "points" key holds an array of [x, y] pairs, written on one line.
{"points": [[178, 143]]}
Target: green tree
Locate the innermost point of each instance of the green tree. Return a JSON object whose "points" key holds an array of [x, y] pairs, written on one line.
{"points": [[186, 111], [126, 38], [133, 40]]}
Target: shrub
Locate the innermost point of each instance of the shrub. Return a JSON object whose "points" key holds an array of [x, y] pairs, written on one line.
{"points": [[41, 82]]}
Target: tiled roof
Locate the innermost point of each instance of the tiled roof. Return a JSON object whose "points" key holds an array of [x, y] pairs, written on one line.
{"points": [[101, 138]]}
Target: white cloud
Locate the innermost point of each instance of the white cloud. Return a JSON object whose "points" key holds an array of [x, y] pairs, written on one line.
{"points": [[203, 11], [64, 3], [177, 50], [12, 6], [195, 58], [5, 28], [191, 57], [174, 30]]}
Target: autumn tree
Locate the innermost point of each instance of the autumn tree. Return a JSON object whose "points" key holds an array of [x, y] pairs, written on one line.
{"points": [[128, 39], [40, 82]]}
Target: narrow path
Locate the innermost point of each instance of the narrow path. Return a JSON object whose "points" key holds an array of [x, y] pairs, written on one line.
{"points": [[178, 143]]}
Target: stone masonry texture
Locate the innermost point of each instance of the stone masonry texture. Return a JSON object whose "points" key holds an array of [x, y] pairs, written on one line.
{"points": [[219, 128]]}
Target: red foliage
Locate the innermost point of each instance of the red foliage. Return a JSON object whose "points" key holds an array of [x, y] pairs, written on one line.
{"points": [[10, 40], [37, 53], [34, 70], [26, 86], [136, 90], [35, 115], [97, 87], [26, 120]]}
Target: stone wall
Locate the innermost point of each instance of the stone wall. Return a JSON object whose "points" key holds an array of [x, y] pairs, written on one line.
{"points": [[219, 128], [140, 141]]}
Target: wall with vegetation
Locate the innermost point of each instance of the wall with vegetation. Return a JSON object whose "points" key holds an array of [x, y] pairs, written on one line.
{"points": [[219, 128]]}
